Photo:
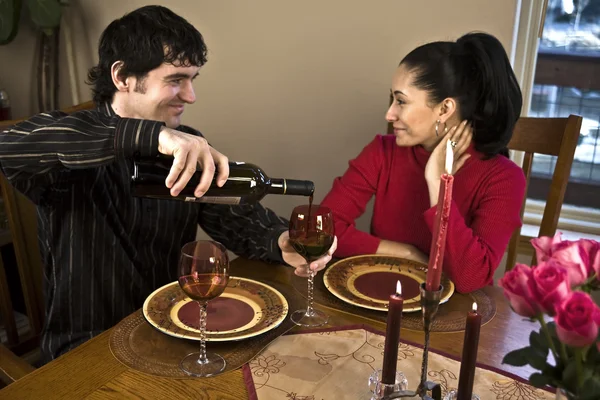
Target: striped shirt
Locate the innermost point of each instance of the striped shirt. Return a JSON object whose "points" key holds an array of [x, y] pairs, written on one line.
{"points": [[103, 250]]}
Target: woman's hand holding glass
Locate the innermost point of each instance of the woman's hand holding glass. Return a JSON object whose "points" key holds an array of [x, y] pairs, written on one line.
{"points": [[302, 268]]}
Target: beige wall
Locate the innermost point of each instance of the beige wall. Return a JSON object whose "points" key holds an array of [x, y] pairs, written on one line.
{"points": [[298, 88]]}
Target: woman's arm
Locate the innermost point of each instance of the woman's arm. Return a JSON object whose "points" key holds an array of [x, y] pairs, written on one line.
{"points": [[402, 250], [348, 199]]}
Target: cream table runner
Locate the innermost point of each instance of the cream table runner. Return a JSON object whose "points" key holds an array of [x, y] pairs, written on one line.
{"points": [[336, 365]]}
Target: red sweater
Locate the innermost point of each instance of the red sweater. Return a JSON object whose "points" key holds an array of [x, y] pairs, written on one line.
{"points": [[486, 204]]}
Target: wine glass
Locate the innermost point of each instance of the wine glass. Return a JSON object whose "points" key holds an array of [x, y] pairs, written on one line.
{"points": [[311, 234], [203, 275]]}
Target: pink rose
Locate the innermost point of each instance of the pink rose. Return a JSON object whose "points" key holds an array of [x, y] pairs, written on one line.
{"points": [[591, 250], [543, 246], [519, 289], [573, 256], [581, 258], [577, 320], [552, 284]]}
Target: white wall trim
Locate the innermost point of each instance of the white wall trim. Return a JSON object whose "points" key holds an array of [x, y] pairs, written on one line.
{"points": [[527, 41], [524, 56]]}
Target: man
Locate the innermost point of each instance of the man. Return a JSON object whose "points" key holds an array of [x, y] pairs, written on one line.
{"points": [[105, 251]]}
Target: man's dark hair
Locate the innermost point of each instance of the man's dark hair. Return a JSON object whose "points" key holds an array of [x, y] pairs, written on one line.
{"points": [[144, 39]]}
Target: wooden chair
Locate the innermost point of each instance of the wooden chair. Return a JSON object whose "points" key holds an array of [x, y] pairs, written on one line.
{"points": [[12, 367], [22, 219], [88, 105], [554, 137]]}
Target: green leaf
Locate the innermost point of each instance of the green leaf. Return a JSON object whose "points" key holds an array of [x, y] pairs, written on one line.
{"points": [[45, 14], [569, 376], [10, 12], [538, 342], [590, 389], [554, 373], [539, 380], [570, 373], [536, 359], [517, 358], [593, 357]]}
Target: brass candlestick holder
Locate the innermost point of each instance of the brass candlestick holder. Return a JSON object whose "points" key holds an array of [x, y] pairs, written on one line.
{"points": [[426, 390]]}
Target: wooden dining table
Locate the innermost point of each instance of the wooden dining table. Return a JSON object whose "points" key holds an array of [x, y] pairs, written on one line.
{"points": [[92, 372]]}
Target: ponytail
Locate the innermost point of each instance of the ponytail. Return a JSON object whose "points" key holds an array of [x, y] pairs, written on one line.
{"points": [[476, 72]]}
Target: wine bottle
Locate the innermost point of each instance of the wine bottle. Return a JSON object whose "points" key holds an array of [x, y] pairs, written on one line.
{"points": [[247, 183]]}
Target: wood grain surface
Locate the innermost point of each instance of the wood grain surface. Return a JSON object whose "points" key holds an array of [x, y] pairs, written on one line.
{"points": [[92, 372]]}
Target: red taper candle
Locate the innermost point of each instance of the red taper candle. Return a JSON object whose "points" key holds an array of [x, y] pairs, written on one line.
{"points": [[440, 226], [469, 355], [392, 336]]}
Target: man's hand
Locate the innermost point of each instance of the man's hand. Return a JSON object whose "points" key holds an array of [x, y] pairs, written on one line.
{"points": [[291, 257], [189, 151]]}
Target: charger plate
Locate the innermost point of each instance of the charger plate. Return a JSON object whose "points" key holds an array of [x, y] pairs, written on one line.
{"points": [[368, 281], [245, 309]]}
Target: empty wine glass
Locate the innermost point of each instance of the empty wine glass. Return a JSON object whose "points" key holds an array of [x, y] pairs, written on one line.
{"points": [[311, 234], [203, 275]]}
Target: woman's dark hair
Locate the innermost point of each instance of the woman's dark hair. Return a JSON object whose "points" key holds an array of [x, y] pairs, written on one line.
{"points": [[474, 71], [143, 39]]}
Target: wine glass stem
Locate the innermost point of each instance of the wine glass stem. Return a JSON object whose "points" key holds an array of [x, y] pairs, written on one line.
{"points": [[309, 308], [202, 358]]}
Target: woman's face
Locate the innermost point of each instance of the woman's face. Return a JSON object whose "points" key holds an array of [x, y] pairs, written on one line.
{"points": [[410, 113]]}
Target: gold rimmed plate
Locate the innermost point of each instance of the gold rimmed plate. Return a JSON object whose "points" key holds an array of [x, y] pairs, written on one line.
{"points": [[368, 280], [245, 309]]}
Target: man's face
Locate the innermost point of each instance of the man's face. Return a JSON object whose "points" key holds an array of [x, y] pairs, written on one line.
{"points": [[161, 95]]}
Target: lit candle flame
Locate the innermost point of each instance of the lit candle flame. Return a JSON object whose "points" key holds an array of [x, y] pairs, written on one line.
{"points": [[474, 306], [449, 157], [398, 288]]}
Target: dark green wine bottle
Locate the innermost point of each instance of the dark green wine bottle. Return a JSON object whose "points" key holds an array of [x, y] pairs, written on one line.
{"points": [[247, 183]]}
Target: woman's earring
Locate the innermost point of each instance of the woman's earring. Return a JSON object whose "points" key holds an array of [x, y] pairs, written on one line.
{"points": [[437, 126]]}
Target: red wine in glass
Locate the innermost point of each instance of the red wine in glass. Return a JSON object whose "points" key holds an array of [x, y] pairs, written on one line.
{"points": [[311, 234], [203, 275]]}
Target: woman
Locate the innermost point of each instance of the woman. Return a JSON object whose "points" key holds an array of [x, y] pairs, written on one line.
{"points": [[465, 92]]}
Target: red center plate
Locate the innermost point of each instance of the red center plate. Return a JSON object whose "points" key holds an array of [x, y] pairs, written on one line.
{"points": [[245, 309], [367, 281], [380, 285], [223, 314]]}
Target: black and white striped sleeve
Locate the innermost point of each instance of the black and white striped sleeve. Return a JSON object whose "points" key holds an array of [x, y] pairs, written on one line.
{"points": [[249, 230], [85, 139]]}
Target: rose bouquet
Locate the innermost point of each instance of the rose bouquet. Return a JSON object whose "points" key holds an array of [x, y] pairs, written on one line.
{"points": [[559, 287]]}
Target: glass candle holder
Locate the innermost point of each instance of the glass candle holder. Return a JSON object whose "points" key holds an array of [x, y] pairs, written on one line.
{"points": [[453, 395], [379, 389]]}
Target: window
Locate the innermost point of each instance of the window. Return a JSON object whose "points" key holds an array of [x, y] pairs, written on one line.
{"points": [[567, 81]]}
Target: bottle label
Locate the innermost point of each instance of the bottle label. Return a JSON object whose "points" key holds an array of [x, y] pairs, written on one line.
{"points": [[215, 199]]}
